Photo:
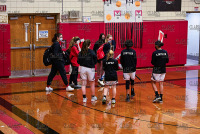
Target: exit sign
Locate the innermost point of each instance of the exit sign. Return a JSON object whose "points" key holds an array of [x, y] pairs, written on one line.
{"points": [[2, 8]]}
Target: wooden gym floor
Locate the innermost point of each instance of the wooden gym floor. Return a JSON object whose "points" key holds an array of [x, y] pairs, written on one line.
{"points": [[27, 108]]}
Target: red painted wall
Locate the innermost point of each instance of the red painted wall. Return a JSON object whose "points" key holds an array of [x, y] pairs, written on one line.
{"points": [[175, 43]]}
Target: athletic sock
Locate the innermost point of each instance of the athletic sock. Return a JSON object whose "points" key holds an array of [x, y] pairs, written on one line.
{"points": [[48, 85], [84, 96], [104, 96], [156, 93]]}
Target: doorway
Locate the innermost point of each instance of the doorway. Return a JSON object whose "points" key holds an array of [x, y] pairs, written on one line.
{"points": [[30, 36]]}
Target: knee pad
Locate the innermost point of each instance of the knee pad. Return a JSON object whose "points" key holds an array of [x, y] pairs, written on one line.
{"points": [[132, 82], [127, 84]]}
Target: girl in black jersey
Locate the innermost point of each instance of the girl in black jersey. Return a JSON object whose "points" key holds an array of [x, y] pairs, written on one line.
{"points": [[110, 66], [159, 60], [87, 60]]}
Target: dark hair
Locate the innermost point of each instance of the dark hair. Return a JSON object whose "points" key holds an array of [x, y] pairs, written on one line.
{"points": [[85, 46], [100, 36], [128, 43], [159, 43], [56, 35]]}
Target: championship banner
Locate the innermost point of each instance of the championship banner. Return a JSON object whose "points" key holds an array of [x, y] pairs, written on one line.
{"points": [[122, 11]]}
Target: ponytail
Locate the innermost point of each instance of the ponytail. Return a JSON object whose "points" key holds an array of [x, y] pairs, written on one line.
{"points": [[85, 46], [110, 54], [56, 35], [71, 44]]}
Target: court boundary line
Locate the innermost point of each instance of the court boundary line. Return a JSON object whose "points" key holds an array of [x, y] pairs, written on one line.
{"points": [[119, 115], [98, 86], [22, 115]]}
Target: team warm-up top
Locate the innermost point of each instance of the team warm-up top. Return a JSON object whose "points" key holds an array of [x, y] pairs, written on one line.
{"points": [[110, 67], [57, 52], [128, 60], [159, 60], [87, 60]]}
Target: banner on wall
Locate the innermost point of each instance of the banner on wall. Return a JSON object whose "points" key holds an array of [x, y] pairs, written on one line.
{"points": [[122, 11]]}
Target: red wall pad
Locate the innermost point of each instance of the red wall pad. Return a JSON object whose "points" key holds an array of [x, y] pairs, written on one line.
{"points": [[143, 35], [5, 50]]}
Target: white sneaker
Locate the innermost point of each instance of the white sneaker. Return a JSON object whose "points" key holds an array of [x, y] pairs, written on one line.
{"points": [[94, 98], [84, 100], [69, 88], [101, 82], [49, 89]]}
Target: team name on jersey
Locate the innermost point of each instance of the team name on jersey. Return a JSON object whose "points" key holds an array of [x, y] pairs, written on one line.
{"points": [[160, 54], [127, 53], [109, 62]]}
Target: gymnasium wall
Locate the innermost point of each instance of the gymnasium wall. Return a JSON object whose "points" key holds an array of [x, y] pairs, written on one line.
{"points": [[93, 8], [175, 43]]}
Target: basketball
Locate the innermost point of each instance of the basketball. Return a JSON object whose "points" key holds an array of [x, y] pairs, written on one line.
{"points": [[137, 3], [127, 16], [108, 17], [118, 3]]}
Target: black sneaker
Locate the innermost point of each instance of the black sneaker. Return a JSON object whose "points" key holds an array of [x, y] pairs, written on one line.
{"points": [[127, 98], [77, 86], [156, 100], [160, 100], [132, 94], [104, 100]]}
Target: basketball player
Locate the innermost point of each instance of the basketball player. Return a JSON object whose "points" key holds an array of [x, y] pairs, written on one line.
{"points": [[159, 60], [129, 61], [110, 66], [87, 60]]}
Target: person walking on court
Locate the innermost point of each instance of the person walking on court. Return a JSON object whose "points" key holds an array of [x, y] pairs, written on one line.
{"points": [[129, 61], [87, 60], [110, 66], [159, 60], [58, 63]]}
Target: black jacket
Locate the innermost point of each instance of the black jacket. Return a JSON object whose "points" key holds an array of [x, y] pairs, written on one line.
{"points": [[110, 67], [159, 60], [57, 52], [88, 60], [128, 60]]}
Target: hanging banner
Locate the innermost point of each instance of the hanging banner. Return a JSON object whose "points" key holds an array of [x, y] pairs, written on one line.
{"points": [[122, 11]]}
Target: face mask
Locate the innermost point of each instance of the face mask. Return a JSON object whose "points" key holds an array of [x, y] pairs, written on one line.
{"points": [[61, 39], [109, 41]]}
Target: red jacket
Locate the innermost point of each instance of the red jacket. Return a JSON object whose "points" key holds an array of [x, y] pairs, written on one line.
{"points": [[74, 55]]}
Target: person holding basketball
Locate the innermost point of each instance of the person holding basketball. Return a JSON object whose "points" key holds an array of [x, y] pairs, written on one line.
{"points": [[129, 61], [159, 60]]}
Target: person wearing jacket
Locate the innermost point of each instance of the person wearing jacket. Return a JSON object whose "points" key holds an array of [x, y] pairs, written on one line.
{"points": [[74, 51], [58, 63], [110, 66], [128, 61], [98, 44], [106, 48], [87, 60], [159, 60]]}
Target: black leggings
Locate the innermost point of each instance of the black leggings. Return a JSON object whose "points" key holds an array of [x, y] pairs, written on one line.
{"points": [[74, 75], [128, 82], [58, 66]]}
